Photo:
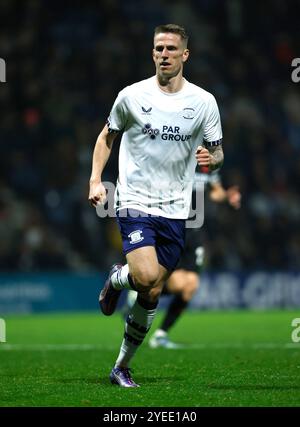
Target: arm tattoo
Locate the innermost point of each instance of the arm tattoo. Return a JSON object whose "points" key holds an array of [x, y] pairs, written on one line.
{"points": [[217, 157]]}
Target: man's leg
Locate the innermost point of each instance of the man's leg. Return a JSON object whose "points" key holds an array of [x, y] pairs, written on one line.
{"points": [[140, 274], [148, 278], [183, 284]]}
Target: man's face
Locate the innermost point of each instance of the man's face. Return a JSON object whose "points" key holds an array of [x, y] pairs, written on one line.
{"points": [[169, 54]]}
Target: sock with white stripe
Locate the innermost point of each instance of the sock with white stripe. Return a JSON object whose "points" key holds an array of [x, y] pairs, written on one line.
{"points": [[138, 323], [121, 279]]}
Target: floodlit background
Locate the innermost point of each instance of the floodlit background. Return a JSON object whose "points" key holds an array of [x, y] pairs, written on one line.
{"points": [[66, 62]]}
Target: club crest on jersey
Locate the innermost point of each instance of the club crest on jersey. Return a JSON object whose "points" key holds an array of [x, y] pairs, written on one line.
{"points": [[135, 237], [146, 111], [147, 129], [188, 113]]}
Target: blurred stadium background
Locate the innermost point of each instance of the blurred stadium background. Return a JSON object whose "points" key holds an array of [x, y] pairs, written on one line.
{"points": [[66, 62]]}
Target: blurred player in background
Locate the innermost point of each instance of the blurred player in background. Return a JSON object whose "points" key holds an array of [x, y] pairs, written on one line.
{"points": [[169, 126], [184, 281]]}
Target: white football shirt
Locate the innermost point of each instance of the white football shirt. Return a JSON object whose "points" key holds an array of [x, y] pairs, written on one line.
{"points": [[161, 132], [206, 178]]}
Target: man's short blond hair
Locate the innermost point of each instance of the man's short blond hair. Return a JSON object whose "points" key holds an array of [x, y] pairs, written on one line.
{"points": [[175, 29]]}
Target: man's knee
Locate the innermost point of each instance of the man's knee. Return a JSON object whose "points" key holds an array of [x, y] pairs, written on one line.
{"points": [[145, 279], [193, 282], [191, 286]]}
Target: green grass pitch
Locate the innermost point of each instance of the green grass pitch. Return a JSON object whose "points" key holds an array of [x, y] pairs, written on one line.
{"points": [[231, 358]]}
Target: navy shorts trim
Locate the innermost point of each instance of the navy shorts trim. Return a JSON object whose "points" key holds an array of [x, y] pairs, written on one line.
{"points": [[165, 234]]}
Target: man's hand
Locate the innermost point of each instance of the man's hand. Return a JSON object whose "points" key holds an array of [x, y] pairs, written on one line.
{"points": [[209, 160], [203, 157], [97, 193], [234, 196]]}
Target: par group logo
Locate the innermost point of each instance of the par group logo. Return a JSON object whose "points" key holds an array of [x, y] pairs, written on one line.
{"points": [[296, 332], [2, 331]]}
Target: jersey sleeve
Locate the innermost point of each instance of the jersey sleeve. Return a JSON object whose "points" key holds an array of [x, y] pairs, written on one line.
{"points": [[117, 118], [212, 126]]}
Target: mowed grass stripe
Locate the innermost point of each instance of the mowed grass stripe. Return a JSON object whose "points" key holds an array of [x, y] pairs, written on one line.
{"points": [[89, 347], [229, 359]]}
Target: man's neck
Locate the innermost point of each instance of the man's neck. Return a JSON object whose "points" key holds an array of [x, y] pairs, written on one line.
{"points": [[170, 85]]}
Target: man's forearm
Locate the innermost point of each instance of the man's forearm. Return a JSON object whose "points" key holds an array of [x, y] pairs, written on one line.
{"points": [[217, 157], [101, 155]]}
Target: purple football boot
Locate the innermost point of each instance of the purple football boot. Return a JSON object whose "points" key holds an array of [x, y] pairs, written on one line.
{"points": [[122, 377], [109, 296]]}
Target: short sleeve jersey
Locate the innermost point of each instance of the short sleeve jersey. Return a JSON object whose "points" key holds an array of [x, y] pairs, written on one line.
{"points": [[161, 132]]}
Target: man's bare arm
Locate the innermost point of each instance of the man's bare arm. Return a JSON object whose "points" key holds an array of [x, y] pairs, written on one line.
{"points": [[219, 194], [217, 157], [101, 155]]}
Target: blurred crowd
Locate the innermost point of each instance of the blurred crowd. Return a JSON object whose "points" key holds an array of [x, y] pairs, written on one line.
{"points": [[66, 62]]}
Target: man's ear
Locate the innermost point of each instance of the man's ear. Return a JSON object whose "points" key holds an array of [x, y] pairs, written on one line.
{"points": [[185, 55]]}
